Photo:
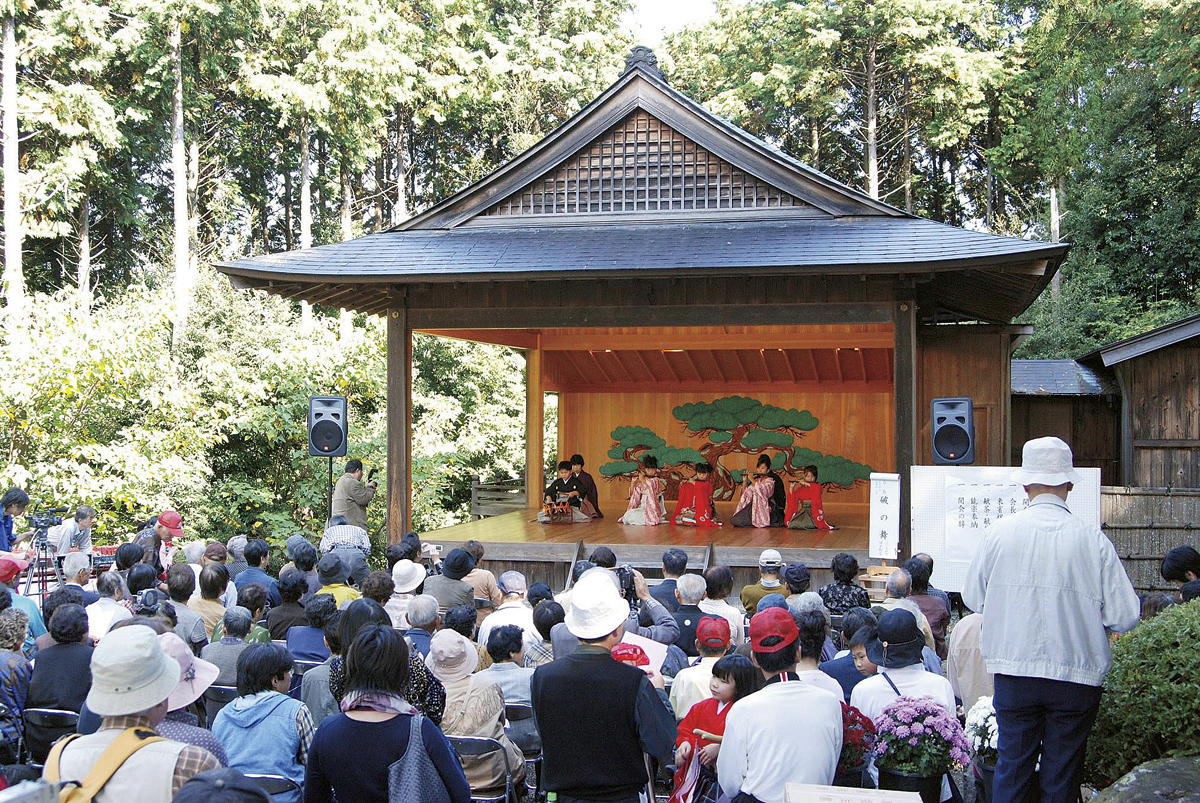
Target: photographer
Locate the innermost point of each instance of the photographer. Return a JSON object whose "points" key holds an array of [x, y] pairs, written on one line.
{"points": [[76, 532], [661, 625], [14, 502], [351, 496]]}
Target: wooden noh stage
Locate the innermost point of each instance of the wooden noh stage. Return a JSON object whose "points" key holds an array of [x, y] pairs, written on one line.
{"points": [[691, 292]]}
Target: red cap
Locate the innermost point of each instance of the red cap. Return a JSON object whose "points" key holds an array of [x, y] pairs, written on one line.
{"points": [[172, 521], [11, 567], [630, 653], [713, 631], [772, 622]]}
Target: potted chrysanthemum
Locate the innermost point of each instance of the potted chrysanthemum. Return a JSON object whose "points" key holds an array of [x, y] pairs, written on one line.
{"points": [[858, 741], [919, 741], [984, 736]]}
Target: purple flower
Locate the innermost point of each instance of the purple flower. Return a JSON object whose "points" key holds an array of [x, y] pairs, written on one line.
{"points": [[913, 741]]}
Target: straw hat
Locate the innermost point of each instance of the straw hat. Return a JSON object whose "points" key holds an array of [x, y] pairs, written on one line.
{"points": [[130, 673], [597, 607], [1046, 461], [452, 656], [407, 576], [196, 675]]}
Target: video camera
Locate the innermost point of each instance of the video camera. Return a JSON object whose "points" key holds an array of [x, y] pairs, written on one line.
{"points": [[626, 584], [43, 520]]}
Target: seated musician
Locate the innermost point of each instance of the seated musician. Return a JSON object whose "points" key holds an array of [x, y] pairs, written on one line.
{"points": [[587, 487], [646, 505], [804, 509], [564, 490], [763, 498], [695, 506]]}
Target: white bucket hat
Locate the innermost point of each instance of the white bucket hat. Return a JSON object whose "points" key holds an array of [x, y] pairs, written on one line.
{"points": [[1046, 461], [407, 576], [130, 673], [452, 656], [597, 607]]}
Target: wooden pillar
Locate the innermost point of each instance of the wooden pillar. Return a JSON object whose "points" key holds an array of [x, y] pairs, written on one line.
{"points": [[534, 427], [905, 324], [399, 420]]}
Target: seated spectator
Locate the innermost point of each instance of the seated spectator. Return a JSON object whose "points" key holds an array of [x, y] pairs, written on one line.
{"points": [[462, 620], [842, 668], [394, 554], [662, 627], [844, 593], [15, 672], [474, 707], [545, 616], [289, 548], [62, 675], [66, 595], [1181, 565], [424, 691], [314, 687], [581, 566], [733, 678], [965, 667], [899, 586], [933, 592], [811, 601], [812, 627], [307, 642], [481, 580], [126, 556], [604, 557], [935, 611], [216, 552], [423, 620], [253, 598], [225, 651], [304, 562], [142, 577], [223, 785], [378, 586], [674, 564], [1190, 590], [213, 579], [155, 604], [265, 731], [506, 651], [1152, 605], [448, 588], [718, 586], [193, 553], [181, 584], [284, 617], [110, 608], [353, 754], [10, 578], [538, 592], [77, 572], [797, 578], [407, 577], [858, 651], [237, 555], [513, 610], [762, 752], [689, 591], [694, 683], [258, 555], [349, 542], [769, 565], [195, 677], [333, 574]]}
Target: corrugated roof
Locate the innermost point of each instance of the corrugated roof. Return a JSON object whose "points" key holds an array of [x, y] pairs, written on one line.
{"points": [[1057, 378]]}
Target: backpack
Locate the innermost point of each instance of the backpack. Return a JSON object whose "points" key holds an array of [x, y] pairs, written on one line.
{"points": [[115, 755]]}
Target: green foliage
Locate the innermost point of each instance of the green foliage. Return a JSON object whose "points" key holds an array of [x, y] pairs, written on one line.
{"points": [[1147, 711], [757, 439], [731, 412]]}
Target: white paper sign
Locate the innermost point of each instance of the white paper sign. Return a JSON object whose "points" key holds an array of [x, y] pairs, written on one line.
{"points": [[656, 652], [972, 507], [885, 516]]}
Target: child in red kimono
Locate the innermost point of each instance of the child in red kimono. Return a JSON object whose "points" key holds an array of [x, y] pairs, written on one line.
{"points": [[804, 509], [695, 506]]}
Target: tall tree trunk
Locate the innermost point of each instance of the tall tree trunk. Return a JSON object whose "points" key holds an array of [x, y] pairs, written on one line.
{"points": [[83, 276], [814, 151], [380, 195], [345, 319], [908, 188], [1055, 234], [400, 210], [179, 178], [14, 232], [287, 209], [872, 121], [305, 213]]}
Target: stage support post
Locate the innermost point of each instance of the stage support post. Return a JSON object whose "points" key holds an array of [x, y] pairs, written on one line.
{"points": [[399, 420], [534, 426], [905, 324]]}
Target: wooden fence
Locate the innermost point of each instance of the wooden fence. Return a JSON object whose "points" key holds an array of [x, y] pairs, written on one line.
{"points": [[1146, 523]]}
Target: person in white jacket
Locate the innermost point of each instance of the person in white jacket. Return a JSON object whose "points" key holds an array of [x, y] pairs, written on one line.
{"points": [[1051, 590]]}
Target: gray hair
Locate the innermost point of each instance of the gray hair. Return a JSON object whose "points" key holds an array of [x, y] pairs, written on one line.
{"points": [[111, 584], [512, 583], [237, 547], [422, 611], [337, 521], [809, 601], [84, 512], [691, 588], [899, 584], [237, 621], [74, 563], [193, 551]]}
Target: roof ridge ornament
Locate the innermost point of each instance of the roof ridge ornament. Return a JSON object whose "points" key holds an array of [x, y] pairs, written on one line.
{"points": [[642, 56]]}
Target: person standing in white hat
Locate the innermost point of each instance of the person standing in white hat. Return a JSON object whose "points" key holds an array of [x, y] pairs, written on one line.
{"points": [[132, 681], [1051, 589]]}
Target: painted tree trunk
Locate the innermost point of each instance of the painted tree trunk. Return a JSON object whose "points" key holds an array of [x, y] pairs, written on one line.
{"points": [[14, 233]]}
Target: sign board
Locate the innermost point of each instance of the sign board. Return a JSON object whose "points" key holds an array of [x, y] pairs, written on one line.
{"points": [[656, 652], [953, 506], [885, 516], [811, 793]]}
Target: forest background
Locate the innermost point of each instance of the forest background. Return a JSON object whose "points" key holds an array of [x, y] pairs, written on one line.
{"points": [[144, 140]]}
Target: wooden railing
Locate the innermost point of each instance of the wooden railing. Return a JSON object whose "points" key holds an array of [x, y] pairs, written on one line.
{"points": [[496, 498]]}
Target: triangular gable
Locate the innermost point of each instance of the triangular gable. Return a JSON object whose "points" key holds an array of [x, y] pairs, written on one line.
{"points": [[732, 173]]}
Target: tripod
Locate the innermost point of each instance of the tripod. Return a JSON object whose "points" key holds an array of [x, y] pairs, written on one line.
{"points": [[45, 558]]}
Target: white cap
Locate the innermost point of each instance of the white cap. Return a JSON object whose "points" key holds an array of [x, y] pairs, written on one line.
{"points": [[597, 607], [770, 558], [407, 576], [1046, 461]]}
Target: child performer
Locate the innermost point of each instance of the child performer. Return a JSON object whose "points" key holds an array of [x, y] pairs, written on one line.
{"points": [[804, 510], [755, 507], [587, 486], [695, 506], [646, 505], [565, 488], [701, 729]]}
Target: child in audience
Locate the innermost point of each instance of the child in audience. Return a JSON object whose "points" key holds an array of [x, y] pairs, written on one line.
{"points": [[858, 648], [734, 677], [695, 506], [565, 489], [646, 505]]}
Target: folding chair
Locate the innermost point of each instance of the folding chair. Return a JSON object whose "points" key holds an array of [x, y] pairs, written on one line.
{"points": [[521, 712], [216, 698], [298, 669], [274, 784], [475, 747], [50, 719]]}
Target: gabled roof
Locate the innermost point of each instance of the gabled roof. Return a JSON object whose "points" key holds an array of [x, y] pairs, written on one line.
{"points": [[1130, 347], [1057, 378]]}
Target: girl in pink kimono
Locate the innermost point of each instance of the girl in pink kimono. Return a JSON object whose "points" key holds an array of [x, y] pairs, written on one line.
{"points": [[754, 508], [646, 505]]}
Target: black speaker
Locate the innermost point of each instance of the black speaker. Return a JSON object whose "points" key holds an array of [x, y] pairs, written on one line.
{"points": [[328, 429], [953, 430]]}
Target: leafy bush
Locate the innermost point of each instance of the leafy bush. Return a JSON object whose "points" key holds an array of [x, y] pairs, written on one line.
{"points": [[1149, 706]]}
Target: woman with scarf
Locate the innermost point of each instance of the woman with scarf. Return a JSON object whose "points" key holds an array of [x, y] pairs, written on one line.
{"points": [[381, 748]]}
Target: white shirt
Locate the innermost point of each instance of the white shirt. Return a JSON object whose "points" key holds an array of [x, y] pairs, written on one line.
{"points": [[103, 614], [1050, 588], [397, 609], [691, 686], [965, 667], [763, 750], [737, 619], [513, 612], [815, 677]]}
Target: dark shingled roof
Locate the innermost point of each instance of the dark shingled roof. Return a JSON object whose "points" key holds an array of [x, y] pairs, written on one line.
{"points": [[1168, 335], [1057, 378]]}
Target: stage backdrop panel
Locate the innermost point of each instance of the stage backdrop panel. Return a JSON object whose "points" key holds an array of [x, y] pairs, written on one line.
{"points": [[952, 507]]}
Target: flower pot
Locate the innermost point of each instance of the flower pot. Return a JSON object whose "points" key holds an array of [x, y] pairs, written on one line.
{"points": [[983, 773], [929, 787], [852, 778]]}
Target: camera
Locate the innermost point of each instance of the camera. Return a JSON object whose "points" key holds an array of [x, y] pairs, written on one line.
{"points": [[625, 583], [43, 520]]}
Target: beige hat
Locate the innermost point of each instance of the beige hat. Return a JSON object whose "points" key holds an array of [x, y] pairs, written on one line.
{"points": [[452, 656], [1046, 461], [130, 673], [196, 675], [597, 607], [407, 576]]}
